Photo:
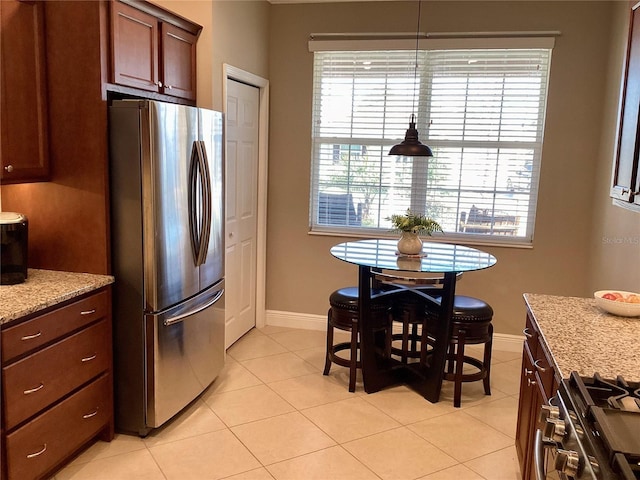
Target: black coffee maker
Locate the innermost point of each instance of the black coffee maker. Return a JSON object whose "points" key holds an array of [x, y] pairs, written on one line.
{"points": [[14, 229]]}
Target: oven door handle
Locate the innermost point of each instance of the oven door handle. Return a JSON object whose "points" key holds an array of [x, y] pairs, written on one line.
{"points": [[539, 444]]}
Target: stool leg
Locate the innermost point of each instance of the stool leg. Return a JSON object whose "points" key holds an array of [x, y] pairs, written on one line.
{"points": [[459, 360], [405, 336], [414, 338], [353, 361], [451, 355], [423, 342], [487, 362], [389, 337], [327, 362]]}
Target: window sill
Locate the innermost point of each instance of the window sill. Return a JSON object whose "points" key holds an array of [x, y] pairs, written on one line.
{"points": [[626, 205]]}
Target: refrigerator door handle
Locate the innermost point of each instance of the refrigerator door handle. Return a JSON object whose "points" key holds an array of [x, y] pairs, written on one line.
{"points": [[194, 219], [205, 180], [181, 316]]}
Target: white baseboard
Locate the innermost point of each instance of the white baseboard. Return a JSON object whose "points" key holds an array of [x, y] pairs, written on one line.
{"points": [[307, 321], [508, 343]]}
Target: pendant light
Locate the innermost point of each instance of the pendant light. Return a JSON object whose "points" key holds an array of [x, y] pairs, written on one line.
{"points": [[411, 146]]}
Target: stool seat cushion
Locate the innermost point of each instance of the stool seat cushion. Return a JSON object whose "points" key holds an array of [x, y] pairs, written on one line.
{"points": [[469, 309], [347, 298]]}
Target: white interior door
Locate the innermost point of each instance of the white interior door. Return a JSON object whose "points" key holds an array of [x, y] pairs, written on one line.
{"points": [[241, 208]]}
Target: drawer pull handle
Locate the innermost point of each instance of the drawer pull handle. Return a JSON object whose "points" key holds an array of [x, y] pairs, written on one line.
{"points": [[88, 312], [530, 382], [92, 414], [33, 390], [527, 334], [30, 337], [88, 359], [538, 367], [35, 454]]}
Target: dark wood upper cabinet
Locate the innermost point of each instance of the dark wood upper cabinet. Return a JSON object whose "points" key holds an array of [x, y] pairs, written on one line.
{"points": [[24, 147], [153, 50], [625, 181], [178, 62], [134, 40]]}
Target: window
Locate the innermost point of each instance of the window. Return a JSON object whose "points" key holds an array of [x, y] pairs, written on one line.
{"points": [[481, 110]]}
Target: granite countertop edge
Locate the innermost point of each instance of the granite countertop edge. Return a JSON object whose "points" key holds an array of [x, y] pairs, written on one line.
{"points": [[46, 288], [580, 337]]}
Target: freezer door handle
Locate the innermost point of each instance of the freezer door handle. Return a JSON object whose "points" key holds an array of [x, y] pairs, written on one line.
{"points": [[194, 216], [181, 316], [205, 179], [199, 202]]}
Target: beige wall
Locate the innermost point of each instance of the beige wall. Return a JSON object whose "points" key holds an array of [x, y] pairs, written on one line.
{"points": [[300, 271]]}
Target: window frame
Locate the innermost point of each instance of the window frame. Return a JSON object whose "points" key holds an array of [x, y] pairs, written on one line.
{"points": [[543, 41]]}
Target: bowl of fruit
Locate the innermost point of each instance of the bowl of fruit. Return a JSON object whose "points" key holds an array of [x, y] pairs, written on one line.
{"points": [[618, 302]]}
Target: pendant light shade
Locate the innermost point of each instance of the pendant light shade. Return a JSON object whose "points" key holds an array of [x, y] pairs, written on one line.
{"points": [[411, 146]]}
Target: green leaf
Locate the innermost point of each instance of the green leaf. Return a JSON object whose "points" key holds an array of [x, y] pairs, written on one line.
{"points": [[416, 223]]}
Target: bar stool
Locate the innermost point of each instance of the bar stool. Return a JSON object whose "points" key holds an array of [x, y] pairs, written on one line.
{"points": [[470, 324], [408, 309], [343, 315]]}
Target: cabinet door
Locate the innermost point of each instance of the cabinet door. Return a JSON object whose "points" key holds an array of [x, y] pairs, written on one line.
{"points": [[527, 406], [625, 174], [178, 62], [24, 147], [134, 48], [538, 399]]}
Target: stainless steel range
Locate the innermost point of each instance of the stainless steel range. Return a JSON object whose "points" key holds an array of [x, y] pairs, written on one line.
{"points": [[591, 430]]}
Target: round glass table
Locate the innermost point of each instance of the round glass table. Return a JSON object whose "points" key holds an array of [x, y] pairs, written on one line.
{"points": [[378, 255]]}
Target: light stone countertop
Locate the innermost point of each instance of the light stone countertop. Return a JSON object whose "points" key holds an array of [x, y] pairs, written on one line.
{"points": [[583, 338], [45, 288]]}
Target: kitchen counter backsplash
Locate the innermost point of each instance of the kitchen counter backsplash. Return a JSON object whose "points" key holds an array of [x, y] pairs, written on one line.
{"points": [[583, 338], [45, 288]]}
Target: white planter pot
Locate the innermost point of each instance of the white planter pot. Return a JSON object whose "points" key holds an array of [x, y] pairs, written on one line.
{"points": [[410, 243]]}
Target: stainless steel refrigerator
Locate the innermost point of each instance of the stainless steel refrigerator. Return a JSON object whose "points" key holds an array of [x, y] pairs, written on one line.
{"points": [[167, 244]]}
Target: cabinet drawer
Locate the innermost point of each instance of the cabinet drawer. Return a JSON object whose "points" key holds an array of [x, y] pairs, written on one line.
{"points": [[40, 379], [26, 336], [38, 446]]}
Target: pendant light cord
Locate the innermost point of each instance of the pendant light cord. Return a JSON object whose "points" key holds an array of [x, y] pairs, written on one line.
{"points": [[415, 66]]}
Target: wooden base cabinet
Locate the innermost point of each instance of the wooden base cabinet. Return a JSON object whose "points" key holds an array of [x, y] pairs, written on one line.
{"points": [[57, 387], [538, 383]]}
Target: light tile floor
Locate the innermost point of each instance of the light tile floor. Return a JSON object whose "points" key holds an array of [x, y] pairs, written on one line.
{"points": [[271, 414]]}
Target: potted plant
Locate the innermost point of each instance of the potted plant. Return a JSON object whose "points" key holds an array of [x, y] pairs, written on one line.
{"points": [[412, 225]]}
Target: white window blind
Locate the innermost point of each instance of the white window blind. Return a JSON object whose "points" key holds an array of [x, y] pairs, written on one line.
{"points": [[481, 110]]}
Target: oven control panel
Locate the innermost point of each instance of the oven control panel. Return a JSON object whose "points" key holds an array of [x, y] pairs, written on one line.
{"points": [[561, 434]]}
